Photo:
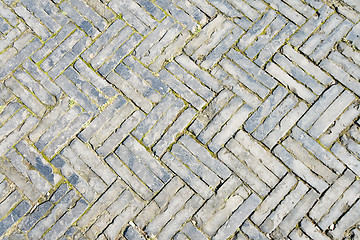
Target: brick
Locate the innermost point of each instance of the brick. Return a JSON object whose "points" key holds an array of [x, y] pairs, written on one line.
{"points": [[182, 89], [273, 199], [285, 124], [133, 181], [204, 156], [260, 153], [219, 119], [176, 128], [190, 178], [129, 91], [244, 78], [243, 172], [230, 128], [251, 231], [311, 162], [14, 216], [15, 136], [317, 150], [300, 169], [182, 216], [119, 54], [120, 134], [346, 157], [101, 204], [9, 202], [139, 84], [197, 168], [312, 231], [340, 75], [274, 117], [340, 206], [283, 209], [291, 83], [192, 232], [68, 200], [295, 215], [147, 159], [239, 216], [20, 57]]}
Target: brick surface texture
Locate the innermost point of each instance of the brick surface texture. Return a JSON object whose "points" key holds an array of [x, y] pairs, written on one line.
{"points": [[179, 119]]}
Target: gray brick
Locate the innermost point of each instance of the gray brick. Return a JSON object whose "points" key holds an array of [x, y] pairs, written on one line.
{"points": [[9, 202], [220, 119], [296, 214], [120, 133], [204, 156], [291, 83], [298, 73], [87, 12], [101, 204], [274, 117], [31, 155], [68, 200], [244, 78], [318, 151], [300, 169], [345, 64], [243, 172], [340, 206], [285, 124], [197, 168], [260, 153], [133, 181], [147, 159], [139, 84], [14, 216], [321, 33], [340, 75], [197, 72], [33, 22], [15, 136], [182, 216], [78, 19], [190, 178], [20, 57], [306, 65], [69, 57], [346, 157], [178, 14], [31, 219], [113, 230], [190, 81], [331, 113], [212, 209], [182, 89], [274, 198], [283, 209], [192, 232], [175, 204], [60, 141], [238, 216], [176, 128], [312, 231], [60, 227], [347, 221], [311, 162], [256, 29], [251, 231], [74, 178], [65, 46], [136, 165], [119, 54]]}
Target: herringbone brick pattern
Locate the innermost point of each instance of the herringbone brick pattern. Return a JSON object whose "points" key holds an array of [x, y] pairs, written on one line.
{"points": [[179, 119]]}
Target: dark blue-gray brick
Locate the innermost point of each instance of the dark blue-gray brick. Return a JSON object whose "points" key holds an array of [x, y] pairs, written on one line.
{"points": [[14, 216]]}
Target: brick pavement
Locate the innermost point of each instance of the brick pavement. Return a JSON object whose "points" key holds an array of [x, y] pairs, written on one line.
{"points": [[179, 119]]}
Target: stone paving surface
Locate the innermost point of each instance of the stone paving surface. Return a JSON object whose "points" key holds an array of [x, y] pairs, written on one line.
{"points": [[179, 119]]}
